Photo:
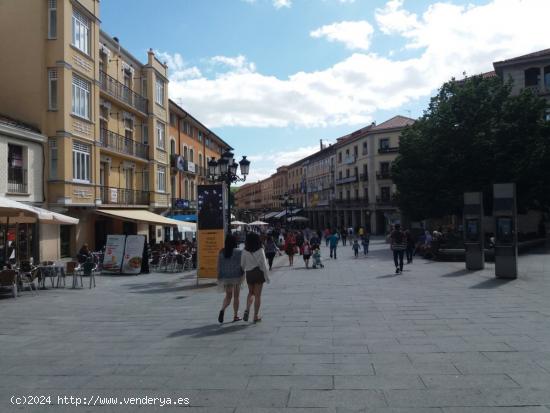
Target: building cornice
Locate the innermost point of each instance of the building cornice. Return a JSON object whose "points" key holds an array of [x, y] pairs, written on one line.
{"points": [[19, 133]]}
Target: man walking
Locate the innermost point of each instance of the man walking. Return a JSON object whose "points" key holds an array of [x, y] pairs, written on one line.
{"points": [[398, 244], [333, 243]]}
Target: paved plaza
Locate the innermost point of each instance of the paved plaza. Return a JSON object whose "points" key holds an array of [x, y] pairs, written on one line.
{"points": [[352, 337]]}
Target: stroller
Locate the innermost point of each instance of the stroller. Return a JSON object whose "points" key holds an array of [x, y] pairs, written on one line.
{"points": [[317, 259]]}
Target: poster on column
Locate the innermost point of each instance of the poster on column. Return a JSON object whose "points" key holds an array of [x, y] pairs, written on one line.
{"points": [[210, 226], [114, 253], [133, 253]]}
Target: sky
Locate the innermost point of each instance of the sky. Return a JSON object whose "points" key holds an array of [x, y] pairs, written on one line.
{"points": [[274, 77]]}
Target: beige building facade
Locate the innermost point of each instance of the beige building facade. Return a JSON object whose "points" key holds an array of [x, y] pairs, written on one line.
{"points": [[105, 115]]}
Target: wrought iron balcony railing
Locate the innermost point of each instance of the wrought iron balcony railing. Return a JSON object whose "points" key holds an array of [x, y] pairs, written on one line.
{"points": [[122, 92], [122, 144], [17, 180], [122, 196]]}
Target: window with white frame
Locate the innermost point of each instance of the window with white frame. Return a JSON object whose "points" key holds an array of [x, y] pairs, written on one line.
{"points": [[161, 179], [53, 158], [81, 31], [159, 91], [81, 162], [81, 97], [52, 19], [161, 133], [52, 89]]}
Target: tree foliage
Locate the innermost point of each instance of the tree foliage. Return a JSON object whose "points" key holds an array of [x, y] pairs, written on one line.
{"points": [[473, 134]]}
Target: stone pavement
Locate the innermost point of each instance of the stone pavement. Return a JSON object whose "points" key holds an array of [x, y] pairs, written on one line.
{"points": [[352, 337]]}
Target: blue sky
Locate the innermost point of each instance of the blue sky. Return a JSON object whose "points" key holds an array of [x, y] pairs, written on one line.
{"points": [[272, 77]]}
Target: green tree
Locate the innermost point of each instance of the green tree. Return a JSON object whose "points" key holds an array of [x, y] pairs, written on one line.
{"points": [[473, 134]]}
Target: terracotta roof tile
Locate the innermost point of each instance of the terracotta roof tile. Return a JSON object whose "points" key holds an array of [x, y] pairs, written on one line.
{"points": [[393, 123]]}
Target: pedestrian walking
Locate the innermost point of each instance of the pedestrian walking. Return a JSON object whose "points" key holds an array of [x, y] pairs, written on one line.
{"points": [[410, 246], [270, 250], [333, 243], [327, 236], [355, 248], [317, 258], [306, 252], [290, 248], [254, 265], [398, 245], [365, 241], [344, 237], [230, 276]]}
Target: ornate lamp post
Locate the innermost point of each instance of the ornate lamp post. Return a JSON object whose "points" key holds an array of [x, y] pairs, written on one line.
{"points": [[225, 170], [287, 201]]}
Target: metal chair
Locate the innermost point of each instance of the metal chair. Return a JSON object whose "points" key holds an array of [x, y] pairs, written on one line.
{"points": [[59, 269], [73, 269], [88, 269], [47, 271], [8, 278], [27, 275]]}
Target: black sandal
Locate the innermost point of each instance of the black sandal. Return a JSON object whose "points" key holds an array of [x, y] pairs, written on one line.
{"points": [[245, 315], [220, 317]]}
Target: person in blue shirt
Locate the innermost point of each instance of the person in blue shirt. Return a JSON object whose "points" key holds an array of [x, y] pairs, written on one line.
{"points": [[333, 243]]}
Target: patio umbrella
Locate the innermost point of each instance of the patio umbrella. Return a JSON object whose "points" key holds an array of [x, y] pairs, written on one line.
{"points": [[258, 223], [238, 223]]}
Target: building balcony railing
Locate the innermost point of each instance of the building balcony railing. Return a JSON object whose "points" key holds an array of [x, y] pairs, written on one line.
{"points": [[122, 92], [388, 149], [122, 144], [17, 180], [352, 202], [383, 175], [122, 196], [346, 180], [349, 160], [364, 177], [386, 201]]}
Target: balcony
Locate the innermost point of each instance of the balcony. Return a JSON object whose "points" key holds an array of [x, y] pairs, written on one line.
{"points": [[383, 175], [352, 202], [114, 88], [386, 201], [123, 145], [388, 149], [17, 180], [121, 196], [178, 163], [364, 177], [346, 180]]}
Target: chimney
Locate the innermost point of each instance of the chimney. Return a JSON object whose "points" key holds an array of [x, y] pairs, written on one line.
{"points": [[321, 143], [115, 39]]}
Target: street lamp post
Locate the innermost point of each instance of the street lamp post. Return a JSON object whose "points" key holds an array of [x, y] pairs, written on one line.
{"points": [[287, 201], [225, 170]]}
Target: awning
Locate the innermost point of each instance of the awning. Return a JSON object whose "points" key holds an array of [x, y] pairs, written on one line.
{"points": [[20, 213], [183, 217], [139, 215], [270, 215], [284, 211]]}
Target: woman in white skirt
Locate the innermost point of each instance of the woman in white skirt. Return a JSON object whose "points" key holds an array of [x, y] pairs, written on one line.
{"points": [[254, 264]]}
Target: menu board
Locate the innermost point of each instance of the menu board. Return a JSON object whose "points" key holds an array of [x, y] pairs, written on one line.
{"points": [[133, 254], [210, 225], [114, 252]]}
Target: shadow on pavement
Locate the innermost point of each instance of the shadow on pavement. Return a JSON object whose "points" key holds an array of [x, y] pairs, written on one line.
{"points": [[159, 288], [209, 330], [490, 284], [458, 273], [388, 276]]}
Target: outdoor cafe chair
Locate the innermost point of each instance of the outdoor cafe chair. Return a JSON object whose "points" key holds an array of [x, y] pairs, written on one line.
{"points": [[59, 270], [47, 271], [73, 269], [8, 278], [27, 275], [88, 269]]}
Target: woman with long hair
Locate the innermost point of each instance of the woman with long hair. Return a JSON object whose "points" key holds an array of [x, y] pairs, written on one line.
{"points": [[290, 248], [254, 264], [230, 275]]}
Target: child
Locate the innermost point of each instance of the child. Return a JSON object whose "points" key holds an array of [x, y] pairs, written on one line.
{"points": [[355, 247], [317, 258]]}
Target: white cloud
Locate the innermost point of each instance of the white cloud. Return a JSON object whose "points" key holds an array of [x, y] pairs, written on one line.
{"points": [[282, 3], [354, 34], [239, 63], [447, 40], [177, 68]]}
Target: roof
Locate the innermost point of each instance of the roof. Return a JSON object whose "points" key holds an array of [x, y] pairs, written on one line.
{"points": [[393, 123], [6, 120], [545, 53], [171, 102]]}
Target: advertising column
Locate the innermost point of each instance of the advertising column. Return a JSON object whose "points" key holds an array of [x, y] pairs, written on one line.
{"points": [[210, 228]]}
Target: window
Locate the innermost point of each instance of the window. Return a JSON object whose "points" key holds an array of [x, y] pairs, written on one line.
{"points": [[53, 158], [200, 159], [200, 137], [385, 193], [160, 135], [191, 158], [52, 19], [52, 89], [365, 148], [347, 194], [385, 168], [384, 143], [340, 175], [17, 174], [172, 147], [81, 162], [185, 152], [145, 134], [356, 193], [186, 189], [355, 150], [339, 157], [547, 77], [192, 191], [81, 32], [81, 97], [159, 91], [173, 120], [144, 87], [161, 179], [532, 76]]}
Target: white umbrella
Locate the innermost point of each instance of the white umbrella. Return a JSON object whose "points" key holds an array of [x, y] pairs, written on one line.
{"points": [[258, 223], [238, 223], [297, 219], [18, 212]]}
